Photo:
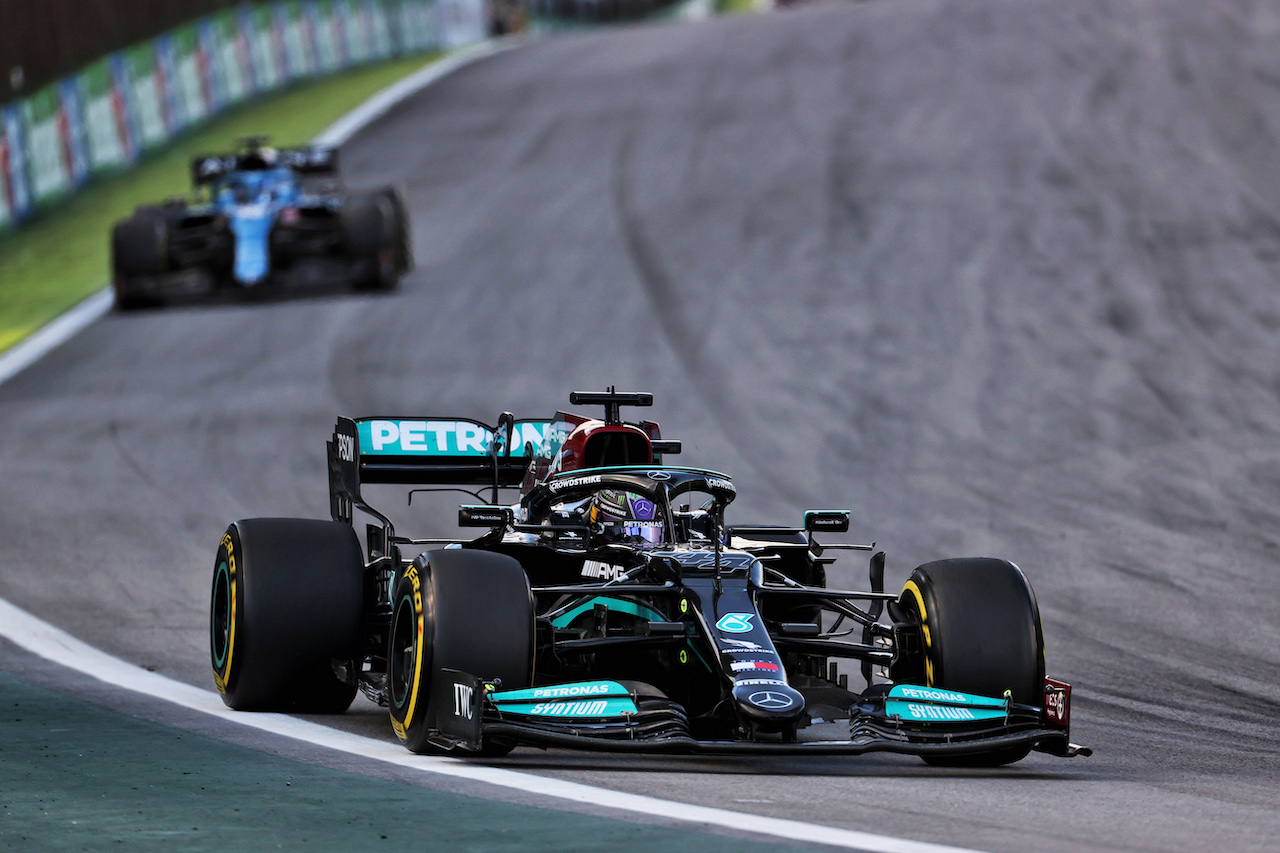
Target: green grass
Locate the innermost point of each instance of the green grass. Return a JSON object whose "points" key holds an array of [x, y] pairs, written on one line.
{"points": [[61, 258]]}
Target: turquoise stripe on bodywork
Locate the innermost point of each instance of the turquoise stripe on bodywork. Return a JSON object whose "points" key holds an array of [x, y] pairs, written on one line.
{"points": [[936, 705], [578, 709], [581, 700], [451, 438], [618, 605], [560, 692]]}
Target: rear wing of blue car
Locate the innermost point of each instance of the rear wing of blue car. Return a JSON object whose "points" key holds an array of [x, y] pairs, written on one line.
{"points": [[313, 160], [428, 451]]}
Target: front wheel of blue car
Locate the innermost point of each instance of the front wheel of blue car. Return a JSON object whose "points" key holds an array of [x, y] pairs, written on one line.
{"points": [[138, 256], [981, 633], [470, 611]]}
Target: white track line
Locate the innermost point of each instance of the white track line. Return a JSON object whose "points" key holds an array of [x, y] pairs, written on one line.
{"points": [[381, 103], [27, 352], [56, 645]]}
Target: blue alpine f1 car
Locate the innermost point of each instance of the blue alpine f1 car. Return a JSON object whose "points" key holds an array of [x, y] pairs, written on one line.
{"points": [[258, 213], [612, 606]]}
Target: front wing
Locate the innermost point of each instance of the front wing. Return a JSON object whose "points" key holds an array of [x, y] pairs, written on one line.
{"points": [[629, 717]]}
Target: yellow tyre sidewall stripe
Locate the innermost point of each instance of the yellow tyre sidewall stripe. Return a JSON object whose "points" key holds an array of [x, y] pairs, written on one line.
{"points": [[223, 678], [414, 687], [914, 591]]}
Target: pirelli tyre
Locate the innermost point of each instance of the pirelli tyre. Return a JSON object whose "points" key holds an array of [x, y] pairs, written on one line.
{"points": [[456, 609], [286, 602], [377, 237], [139, 255], [398, 231], [981, 630]]}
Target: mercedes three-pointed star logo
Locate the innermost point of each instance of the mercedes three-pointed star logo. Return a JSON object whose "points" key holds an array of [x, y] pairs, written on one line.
{"points": [[770, 700]]}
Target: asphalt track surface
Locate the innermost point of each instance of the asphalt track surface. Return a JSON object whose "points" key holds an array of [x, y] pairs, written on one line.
{"points": [[999, 276]]}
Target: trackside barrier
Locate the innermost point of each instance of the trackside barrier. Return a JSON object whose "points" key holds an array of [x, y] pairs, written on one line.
{"points": [[105, 117]]}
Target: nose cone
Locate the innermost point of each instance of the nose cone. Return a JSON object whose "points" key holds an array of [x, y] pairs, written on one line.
{"points": [[252, 228], [770, 705]]}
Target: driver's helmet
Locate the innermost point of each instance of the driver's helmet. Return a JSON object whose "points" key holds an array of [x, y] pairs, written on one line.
{"points": [[259, 158], [620, 517]]}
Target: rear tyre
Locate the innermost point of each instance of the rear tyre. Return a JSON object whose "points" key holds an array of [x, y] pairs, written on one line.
{"points": [[138, 252], [982, 634], [286, 601], [398, 231], [453, 609]]}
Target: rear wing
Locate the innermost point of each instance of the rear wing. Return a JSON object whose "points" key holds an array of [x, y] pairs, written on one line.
{"points": [[428, 451], [211, 167], [311, 160]]}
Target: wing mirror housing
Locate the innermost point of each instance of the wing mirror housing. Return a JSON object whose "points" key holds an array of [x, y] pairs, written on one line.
{"points": [[485, 516], [826, 521]]}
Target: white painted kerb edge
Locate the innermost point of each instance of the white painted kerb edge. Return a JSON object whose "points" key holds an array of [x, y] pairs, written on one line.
{"points": [[26, 353], [54, 644], [381, 103]]}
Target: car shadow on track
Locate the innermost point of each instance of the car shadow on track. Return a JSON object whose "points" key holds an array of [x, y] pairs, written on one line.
{"points": [[365, 718], [556, 762], [305, 282]]}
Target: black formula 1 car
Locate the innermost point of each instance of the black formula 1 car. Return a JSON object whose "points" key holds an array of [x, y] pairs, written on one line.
{"points": [[258, 213], [612, 607]]}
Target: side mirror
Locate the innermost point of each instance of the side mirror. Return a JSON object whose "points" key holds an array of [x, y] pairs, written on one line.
{"points": [[826, 520], [485, 516]]}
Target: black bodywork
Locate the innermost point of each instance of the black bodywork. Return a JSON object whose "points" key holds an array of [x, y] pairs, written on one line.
{"points": [[725, 639]]}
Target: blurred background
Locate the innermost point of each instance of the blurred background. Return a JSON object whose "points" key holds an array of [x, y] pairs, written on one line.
{"points": [[41, 42]]}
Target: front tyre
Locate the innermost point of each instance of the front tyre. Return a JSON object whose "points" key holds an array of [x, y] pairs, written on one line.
{"points": [[456, 609], [286, 601], [139, 247], [981, 630]]}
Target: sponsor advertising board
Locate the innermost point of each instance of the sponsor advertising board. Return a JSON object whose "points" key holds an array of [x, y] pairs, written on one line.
{"points": [[103, 117]]}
